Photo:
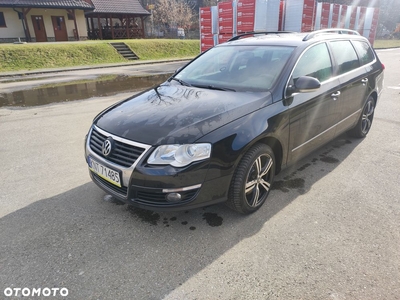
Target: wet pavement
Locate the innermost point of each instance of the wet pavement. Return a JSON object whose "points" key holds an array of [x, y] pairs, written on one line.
{"points": [[76, 90], [68, 85]]}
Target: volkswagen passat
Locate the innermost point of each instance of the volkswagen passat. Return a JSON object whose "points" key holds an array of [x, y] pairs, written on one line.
{"points": [[224, 125]]}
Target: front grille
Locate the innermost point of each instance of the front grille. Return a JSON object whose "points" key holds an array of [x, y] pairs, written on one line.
{"points": [[122, 191], [124, 154]]}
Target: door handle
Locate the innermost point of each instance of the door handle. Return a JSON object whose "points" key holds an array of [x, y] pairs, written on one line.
{"points": [[364, 81], [335, 95]]}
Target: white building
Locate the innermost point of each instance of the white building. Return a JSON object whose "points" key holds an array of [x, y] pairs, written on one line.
{"points": [[43, 20]]}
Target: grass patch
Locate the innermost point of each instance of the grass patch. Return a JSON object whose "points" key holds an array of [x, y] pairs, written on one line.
{"points": [[59, 55], [160, 49], [40, 56], [382, 44]]}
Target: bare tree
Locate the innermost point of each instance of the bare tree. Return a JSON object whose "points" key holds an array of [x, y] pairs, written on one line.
{"points": [[172, 13], [191, 3]]}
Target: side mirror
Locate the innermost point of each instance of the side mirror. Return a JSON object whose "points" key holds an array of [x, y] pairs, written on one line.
{"points": [[306, 84]]}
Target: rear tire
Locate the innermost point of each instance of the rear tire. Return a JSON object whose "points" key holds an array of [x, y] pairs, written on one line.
{"points": [[365, 121], [252, 180]]}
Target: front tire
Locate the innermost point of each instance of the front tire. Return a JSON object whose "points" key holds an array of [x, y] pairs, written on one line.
{"points": [[365, 121], [252, 180]]}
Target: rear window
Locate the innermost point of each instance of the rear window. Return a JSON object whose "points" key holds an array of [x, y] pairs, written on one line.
{"points": [[364, 51], [345, 56]]}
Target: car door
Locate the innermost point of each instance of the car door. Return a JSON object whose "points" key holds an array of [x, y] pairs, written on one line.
{"points": [[353, 80], [313, 115]]}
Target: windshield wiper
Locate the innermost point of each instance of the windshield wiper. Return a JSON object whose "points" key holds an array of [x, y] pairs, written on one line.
{"points": [[181, 81], [213, 87]]}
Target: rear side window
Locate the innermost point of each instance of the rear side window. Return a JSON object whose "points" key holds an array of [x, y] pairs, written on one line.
{"points": [[345, 56], [315, 62], [364, 52]]}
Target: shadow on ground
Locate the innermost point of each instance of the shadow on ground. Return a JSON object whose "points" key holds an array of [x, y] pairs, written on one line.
{"points": [[103, 249]]}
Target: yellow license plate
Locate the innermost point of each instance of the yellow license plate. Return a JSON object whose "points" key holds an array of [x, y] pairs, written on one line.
{"points": [[104, 172]]}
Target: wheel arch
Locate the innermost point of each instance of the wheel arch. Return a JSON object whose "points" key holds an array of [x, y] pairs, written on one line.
{"points": [[374, 95], [277, 148]]}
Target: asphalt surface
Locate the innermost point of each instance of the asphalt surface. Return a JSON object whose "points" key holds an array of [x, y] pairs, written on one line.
{"points": [[330, 228]]}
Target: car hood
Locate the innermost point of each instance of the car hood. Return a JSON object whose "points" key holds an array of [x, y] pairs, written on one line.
{"points": [[175, 114]]}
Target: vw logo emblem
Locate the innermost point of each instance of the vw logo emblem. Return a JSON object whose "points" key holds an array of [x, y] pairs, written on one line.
{"points": [[107, 147]]}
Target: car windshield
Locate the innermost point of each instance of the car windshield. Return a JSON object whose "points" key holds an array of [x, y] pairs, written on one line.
{"points": [[239, 68]]}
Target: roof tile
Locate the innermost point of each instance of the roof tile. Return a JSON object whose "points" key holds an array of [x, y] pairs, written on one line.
{"points": [[119, 7], [79, 4]]}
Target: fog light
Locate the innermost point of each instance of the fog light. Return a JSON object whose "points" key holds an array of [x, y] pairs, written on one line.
{"points": [[174, 197]]}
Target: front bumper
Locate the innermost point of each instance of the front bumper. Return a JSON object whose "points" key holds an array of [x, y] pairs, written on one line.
{"points": [[149, 187]]}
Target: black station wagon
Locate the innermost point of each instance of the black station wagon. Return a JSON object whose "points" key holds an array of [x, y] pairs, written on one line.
{"points": [[224, 125]]}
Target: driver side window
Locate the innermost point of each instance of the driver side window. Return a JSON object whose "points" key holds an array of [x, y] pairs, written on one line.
{"points": [[315, 62]]}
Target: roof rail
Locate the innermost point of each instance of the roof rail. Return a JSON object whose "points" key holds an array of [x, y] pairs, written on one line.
{"points": [[235, 38], [330, 30]]}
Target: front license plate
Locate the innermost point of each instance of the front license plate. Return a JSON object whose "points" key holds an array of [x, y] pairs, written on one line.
{"points": [[104, 172]]}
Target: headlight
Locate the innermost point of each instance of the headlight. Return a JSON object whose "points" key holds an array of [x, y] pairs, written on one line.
{"points": [[179, 155]]}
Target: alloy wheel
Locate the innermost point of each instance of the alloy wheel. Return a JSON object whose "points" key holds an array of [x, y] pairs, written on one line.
{"points": [[367, 116], [258, 181]]}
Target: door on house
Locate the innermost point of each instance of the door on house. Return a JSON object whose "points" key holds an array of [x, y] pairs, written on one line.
{"points": [[40, 30], [60, 29]]}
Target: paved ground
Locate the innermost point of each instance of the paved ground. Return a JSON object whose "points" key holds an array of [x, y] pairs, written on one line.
{"points": [[330, 229]]}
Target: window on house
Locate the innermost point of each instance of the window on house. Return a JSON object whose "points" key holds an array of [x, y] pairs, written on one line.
{"points": [[2, 20]]}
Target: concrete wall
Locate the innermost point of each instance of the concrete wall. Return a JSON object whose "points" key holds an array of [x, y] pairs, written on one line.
{"points": [[14, 27]]}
